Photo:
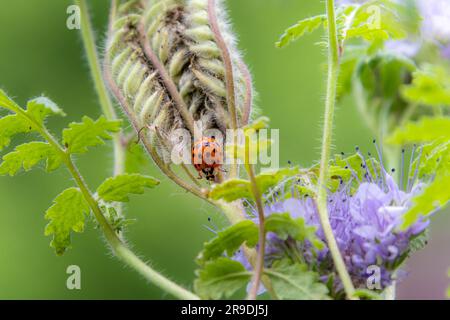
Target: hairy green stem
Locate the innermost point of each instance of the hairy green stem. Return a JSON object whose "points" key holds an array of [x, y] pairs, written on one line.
{"points": [[235, 214], [333, 72], [229, 73], [94, 62], [116, 244], [96, 72], [121, 250], [259, 265]]}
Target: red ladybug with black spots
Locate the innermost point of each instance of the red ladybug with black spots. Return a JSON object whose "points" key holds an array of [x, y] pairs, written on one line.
{"points": [[207, 157]]}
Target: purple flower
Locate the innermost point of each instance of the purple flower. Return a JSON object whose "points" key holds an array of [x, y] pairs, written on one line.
{"points": [[406, 47], [365, 221], [436, 17]]}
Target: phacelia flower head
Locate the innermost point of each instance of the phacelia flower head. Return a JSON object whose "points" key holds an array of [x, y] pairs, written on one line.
{"points": [[365, 212]]}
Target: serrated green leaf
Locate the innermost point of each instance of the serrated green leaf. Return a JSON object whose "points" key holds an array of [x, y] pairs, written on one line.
{"points": [[285, 226], [221, 278], [430, 86], [26, 121], [343, 168], [118, 188], [434, 157], [435, 196], [229, 241], [67, 214], [28, 155], [419, 241], [88, 133], [295, 282], [270, 179], [235, 189], [7, 102], [42, 107], [248, 152], [11, 125], [231, 190], [299, 29], [426, 130], [373, 21]]}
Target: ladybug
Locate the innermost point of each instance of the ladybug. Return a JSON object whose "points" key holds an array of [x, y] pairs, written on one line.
{"points": [[207, 157]]}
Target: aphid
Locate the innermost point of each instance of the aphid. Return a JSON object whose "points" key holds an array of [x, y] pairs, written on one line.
{"points": [[207, 157]]}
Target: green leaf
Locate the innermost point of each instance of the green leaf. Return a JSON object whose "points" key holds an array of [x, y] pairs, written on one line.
{"points": [[29, 155], [37, 110], [42, 107], [89, 133], [343, 168], [374, 21], [435, 157], [435, 196], [7, 102], [117, 222], [118, 188], [426, 130], [366, 294], [231, 190], [11, 125], [300, 28], [419, 241], [270, 179], [67, 214], [258, 124], [235, 189], [229, 241], [221, 278], [285, 226], [430, 86], [295, 282]]}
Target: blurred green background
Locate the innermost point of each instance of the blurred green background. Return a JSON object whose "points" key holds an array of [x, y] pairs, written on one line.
{"points": [[39, 55]]}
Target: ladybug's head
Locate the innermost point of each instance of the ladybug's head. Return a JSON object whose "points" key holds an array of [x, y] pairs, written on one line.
{"points": [[210, 174]]}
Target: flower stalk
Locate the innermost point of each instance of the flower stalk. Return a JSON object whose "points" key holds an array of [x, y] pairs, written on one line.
{"points": [[259, 266], [333, 72]]}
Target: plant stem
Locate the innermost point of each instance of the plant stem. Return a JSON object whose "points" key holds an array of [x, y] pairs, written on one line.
{"points": [[116, 244], [333, 71], [96, 72], [235, 214], [120, 249], [259, 266], [229, 74], [94, 62]]}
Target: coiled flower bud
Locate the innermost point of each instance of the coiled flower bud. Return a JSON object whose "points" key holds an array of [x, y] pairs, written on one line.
{"points": [[172, 64]]}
